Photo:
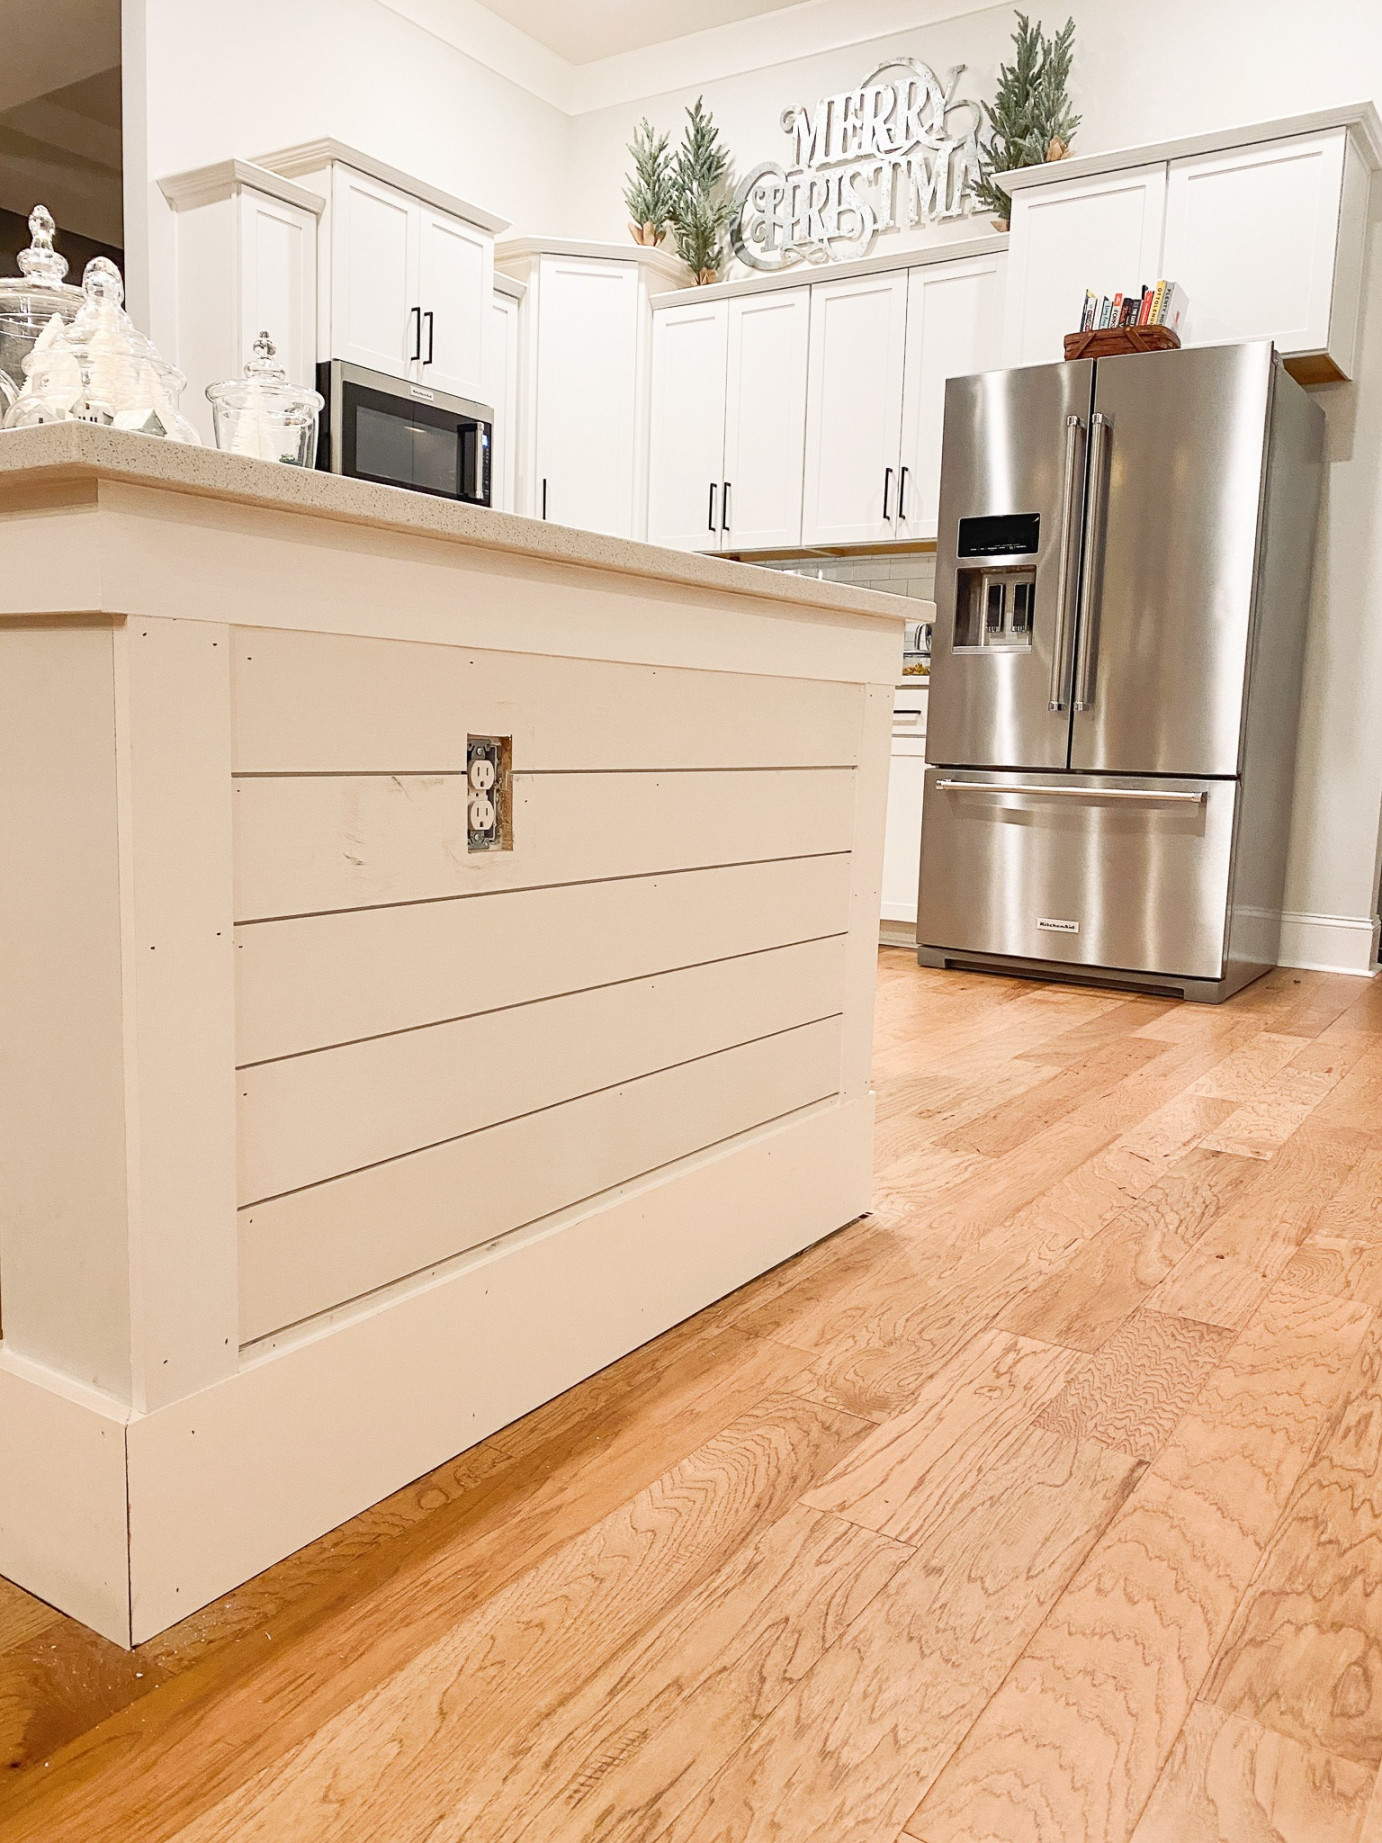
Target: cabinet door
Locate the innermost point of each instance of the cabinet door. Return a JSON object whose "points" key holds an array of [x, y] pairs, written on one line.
{"points": [[854, 409], [375, 311], [1102, 233], [586, 395], [278, 282], [765, 420], [455, 290], [1250, 236], [954, 329], [500, 391], [686, 461], [902, 839]]}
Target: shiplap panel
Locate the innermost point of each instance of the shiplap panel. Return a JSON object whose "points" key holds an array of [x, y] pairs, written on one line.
{"points": [[311, 1250], [309, 983], [307, 843], [318, 1116], [333, 703]]}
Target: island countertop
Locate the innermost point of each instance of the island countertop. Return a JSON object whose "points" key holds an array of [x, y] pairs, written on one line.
{"points": [[71, 453], [334, 1139]]}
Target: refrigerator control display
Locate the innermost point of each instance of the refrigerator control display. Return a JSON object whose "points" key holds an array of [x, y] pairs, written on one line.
{"points": [[1016, 534]]}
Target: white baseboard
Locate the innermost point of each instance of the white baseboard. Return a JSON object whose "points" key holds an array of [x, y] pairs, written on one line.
{"points": [[63, 1531], [1329, 943], [231, 1480]]}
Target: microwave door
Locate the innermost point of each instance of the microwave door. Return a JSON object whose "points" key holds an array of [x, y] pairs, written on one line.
{"points": [[1178, 451], [1007, 566]]}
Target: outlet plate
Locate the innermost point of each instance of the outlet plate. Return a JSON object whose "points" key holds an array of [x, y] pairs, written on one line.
{"points": [[489, 793]]}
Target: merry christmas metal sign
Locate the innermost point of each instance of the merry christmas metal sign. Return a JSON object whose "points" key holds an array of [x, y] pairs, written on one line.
{"points": [[896, 153]]}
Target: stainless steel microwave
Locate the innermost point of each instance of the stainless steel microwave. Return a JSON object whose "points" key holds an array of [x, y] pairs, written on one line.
{"points": [[397, 433]]}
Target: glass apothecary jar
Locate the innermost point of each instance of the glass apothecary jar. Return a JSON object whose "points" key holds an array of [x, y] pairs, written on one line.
{"points": [[29, 300], [265, 416], [101, 369]]}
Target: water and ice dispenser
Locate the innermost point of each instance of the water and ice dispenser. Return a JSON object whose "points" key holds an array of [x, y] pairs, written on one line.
{"points": [[995, 601]]}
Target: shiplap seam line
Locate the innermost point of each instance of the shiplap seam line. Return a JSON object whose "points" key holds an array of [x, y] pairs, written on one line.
{"points": [[547, 998], [521, 774], [628, 1081], [533, 889], [449, 1262]]}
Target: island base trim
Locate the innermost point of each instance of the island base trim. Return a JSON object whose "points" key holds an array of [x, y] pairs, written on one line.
{"points": [[223, 1484]]}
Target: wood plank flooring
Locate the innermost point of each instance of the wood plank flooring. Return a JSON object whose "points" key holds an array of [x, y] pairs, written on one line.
{"points": [[1044, 1505]]}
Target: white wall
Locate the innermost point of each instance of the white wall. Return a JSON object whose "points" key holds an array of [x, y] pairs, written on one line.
{"points": [[207, 79]]}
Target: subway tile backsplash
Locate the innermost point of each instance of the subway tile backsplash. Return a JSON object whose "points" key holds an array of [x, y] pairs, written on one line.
{"points": [[900, 573]]}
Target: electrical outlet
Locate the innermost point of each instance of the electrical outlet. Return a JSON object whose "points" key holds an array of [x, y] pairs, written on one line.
{"points": [[489, 800]]}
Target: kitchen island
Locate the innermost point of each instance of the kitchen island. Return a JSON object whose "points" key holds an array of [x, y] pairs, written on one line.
{"points": [[337, 1133]]}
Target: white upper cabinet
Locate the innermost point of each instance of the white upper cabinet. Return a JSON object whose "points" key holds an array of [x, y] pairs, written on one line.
{"points": [[1103, 233], [455, 293], [411, 286], [765, 420], [1263, 228], [954, 328], [1266, 241], [686, 456], [500, 391], [245, 243], [854, 408], [588, 334], [728, 422], [407, 270], [373, 313]]}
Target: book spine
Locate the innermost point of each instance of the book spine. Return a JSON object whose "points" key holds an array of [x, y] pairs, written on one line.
{"points": [[1158, 302], [1144, 307], [1173, 308], [1087, 312]]}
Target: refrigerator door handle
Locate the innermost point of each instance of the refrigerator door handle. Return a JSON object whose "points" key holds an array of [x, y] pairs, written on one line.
{"points": [[1060, 651], [1100, 434], [1169, 797]]}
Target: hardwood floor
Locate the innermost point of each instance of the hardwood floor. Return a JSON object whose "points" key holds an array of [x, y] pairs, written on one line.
{"points": [[1042, 1506]]}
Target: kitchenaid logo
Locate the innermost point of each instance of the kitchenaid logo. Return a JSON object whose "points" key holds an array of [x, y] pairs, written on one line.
{"points": [[896, 153], [1057, 927]]}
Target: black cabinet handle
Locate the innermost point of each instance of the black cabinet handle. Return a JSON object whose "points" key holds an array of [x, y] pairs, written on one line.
{"points": [[415, 315], [887, 492], [430, 318], [902, 493], [724, 506], [544, 499], [711, 520]]}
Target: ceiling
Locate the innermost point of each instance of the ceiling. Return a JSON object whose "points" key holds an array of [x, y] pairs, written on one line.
{"points": [[602, 28]]}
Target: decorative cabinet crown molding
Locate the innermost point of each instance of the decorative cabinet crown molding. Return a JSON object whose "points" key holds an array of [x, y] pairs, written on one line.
{"points": [[312, 156], [208, 185]]}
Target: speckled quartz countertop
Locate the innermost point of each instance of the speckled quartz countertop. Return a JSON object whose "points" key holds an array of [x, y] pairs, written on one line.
{"points": [[73, 451]]}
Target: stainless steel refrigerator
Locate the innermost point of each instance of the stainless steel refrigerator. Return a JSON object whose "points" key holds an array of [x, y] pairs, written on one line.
{"points": [[1122, 580]]}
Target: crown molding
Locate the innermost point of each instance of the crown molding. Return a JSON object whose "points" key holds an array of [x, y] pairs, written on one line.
{"points": [[206, 185]]}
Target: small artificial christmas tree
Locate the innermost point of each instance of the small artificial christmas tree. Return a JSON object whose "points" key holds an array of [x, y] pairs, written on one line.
{"points": [[649, 193], [1031, 118], [701, 195]]}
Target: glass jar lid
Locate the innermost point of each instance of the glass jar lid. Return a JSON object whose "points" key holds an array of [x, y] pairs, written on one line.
{"points": [[266, 386], [39, 291]]}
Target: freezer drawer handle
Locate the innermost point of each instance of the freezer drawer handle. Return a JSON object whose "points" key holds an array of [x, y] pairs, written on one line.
{"points": [[1060, 651], [1099, 435], [1145, 794]]}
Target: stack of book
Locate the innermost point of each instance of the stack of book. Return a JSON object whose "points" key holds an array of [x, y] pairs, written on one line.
{"points": [[1163, 305]]}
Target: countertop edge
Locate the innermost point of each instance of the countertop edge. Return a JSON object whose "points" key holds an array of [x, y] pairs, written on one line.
{"points": [[75, 451]]}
